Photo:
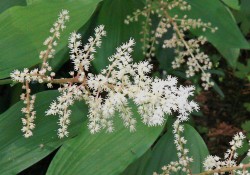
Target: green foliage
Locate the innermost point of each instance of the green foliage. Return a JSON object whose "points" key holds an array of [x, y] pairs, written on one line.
{"points": [[165, 151], [17, 152], [243, 16], [243, 71], [234, 4], [21, 38], [104, 153], [247, 106], [25, 25], [112, 14], [228, 39], [5, 4], [246, 127]]}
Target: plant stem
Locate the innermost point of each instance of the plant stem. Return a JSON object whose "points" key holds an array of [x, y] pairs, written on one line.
{"points": [[226, 169]]}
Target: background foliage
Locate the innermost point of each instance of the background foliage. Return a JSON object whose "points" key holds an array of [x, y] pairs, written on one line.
{"points": [[24, 26]]}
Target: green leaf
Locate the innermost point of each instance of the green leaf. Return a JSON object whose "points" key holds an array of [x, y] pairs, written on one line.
{"points": [[165, 151], [246, 126], [104, 153], [5, 4], [228, 34], [17, 153], [243, 16], [218, 90], [24, 29], [243, 70], [112, 15], [231, 55], [234, 4], [245, 5], [228, 39], [247, 106], [165, 56], [138, 166]]}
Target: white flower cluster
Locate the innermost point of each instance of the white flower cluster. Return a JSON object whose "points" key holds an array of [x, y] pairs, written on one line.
{"points": [[50, 42], [112, 90], [187, 51], [172, 167], [28, 121], [182, 152], [183, 163], [38, 75], [121, 80], [242, 172], [236, 143], [25, 77], [216, 163], [248, 153], [212, 164], [72, 91], [69, 93]]}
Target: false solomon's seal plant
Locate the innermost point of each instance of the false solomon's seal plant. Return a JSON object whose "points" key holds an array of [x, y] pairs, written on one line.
{"points": [[187, 52], [111, 90], [121, 80]]}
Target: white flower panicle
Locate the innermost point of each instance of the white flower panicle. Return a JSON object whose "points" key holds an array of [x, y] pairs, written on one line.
{"points": [[38, 75], [212, 164], [28, 121], [82, 57], [216, 163], [108, 92], [69, 93], [182, 152], [248, 153], [122, 79], [236, 143], [187, 51], [72, 91], [184, 161], [172, 167], [50, 42]]}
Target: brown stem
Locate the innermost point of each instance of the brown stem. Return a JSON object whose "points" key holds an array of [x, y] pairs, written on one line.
{"points": [[27, 95], [47, 51], [63, 80], [27, 89], [226, 169], [182, 149], [176, 28]]}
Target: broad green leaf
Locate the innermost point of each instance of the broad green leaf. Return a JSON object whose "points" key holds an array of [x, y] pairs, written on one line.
{"points": [[138, 166], [243, 71], [231, 55], [247, 106], [245, 5], [112, 15], [17, 152], [104, 153], [243, 16], [24, 29], [234, 4], [228, 38], [165, 56], [218, 90], [5, 4], [228, 34], [29, 2], [165, 151]]}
